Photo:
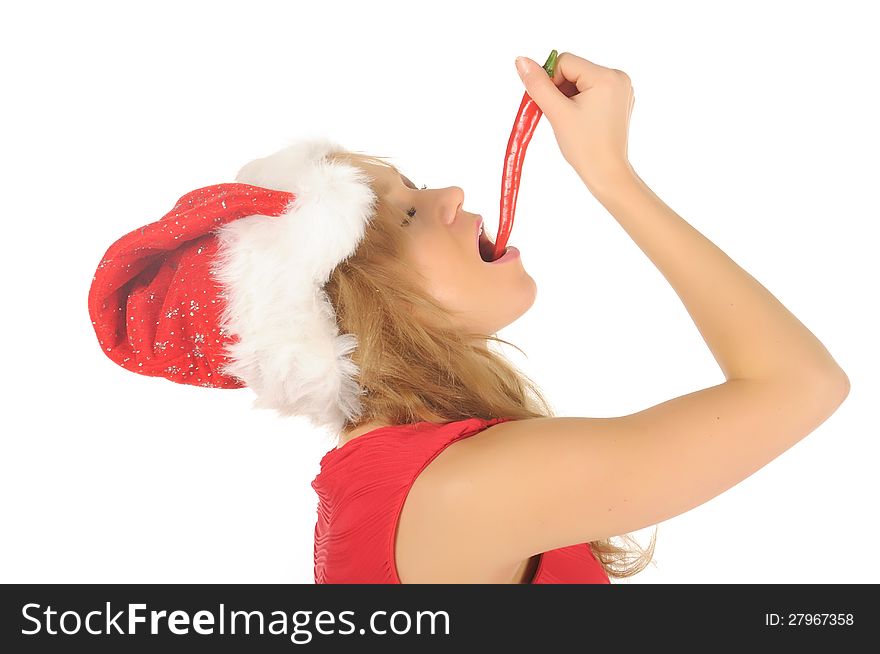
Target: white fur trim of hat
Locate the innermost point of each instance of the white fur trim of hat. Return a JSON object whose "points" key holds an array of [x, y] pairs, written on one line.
{"points": [[290, 350]]}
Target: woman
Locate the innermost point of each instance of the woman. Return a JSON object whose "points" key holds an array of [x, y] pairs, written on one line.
{"points": [[367, 305]]}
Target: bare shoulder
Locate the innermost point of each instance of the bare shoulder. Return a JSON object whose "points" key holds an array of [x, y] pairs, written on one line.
{"points": [[519, 488], [435, 548]]}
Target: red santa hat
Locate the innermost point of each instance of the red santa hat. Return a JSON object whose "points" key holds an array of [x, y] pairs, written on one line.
{"points": [[226, 289]]}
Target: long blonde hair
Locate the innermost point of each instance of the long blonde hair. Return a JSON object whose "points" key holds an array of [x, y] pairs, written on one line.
{"points": [[415, 365]]}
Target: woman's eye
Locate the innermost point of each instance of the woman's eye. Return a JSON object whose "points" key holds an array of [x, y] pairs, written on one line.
{"points": [[410, 214], [412, 211]]}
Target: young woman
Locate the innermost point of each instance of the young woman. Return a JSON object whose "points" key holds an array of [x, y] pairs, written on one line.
{"points": [[486, 506], [328, 283]]}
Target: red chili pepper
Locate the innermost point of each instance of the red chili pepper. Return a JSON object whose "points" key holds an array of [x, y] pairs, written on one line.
{"points": [[523, 127]]}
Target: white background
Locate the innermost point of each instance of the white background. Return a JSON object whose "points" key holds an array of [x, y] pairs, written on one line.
{"points": [[755, 121]]}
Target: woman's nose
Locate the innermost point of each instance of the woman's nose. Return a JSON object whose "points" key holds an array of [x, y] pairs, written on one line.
{"points": [[454, 199]]}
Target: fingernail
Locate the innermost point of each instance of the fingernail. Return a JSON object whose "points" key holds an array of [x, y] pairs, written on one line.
{"points": [[522, 65]]}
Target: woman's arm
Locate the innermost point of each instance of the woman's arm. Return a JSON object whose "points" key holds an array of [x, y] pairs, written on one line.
{"points": [[750, 333], [531, 485]]}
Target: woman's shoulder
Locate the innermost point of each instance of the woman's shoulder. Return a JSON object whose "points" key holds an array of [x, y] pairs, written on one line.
{"points": [[428, 548], [362, 488]]}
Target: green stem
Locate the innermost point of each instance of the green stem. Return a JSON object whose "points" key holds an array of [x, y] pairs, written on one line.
{"points": [[550, 66]]}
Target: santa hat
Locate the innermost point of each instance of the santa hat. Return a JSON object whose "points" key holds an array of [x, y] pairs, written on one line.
{"points": [[226, 289]]}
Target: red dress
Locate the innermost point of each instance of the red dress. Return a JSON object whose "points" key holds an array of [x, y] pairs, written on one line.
{"points": [[361, 489]]}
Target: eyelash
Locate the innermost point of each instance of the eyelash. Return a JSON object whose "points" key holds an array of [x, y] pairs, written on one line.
{"points": [[411, 213]]}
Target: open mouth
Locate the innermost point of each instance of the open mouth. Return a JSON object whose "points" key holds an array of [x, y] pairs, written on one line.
{"points": [[486, 246]]}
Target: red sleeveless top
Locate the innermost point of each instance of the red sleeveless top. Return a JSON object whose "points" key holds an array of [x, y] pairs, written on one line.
{"points": [[361, 489]]}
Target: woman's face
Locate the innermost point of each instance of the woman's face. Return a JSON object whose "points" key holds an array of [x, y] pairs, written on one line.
{"points": [[441, 244]]}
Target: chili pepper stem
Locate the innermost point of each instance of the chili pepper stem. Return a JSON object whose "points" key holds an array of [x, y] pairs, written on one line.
{"points": [[550, 64]]}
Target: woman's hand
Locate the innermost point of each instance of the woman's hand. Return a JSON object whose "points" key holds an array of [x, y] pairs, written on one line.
{"points": [[588, 107]]}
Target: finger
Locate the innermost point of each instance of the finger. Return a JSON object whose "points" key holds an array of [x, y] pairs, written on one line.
{"points": [[541, 88], [580, 72], [568, 89]]}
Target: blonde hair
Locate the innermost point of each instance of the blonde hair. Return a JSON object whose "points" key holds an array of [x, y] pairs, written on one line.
{"points": [[416, 365]]}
